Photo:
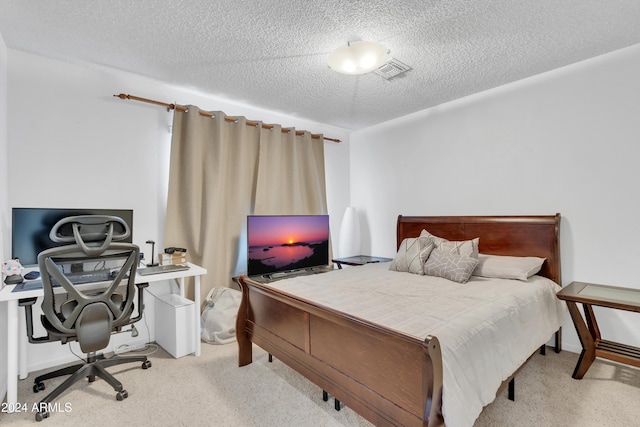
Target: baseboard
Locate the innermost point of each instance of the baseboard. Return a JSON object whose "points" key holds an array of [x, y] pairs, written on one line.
{"points": [[52, 363], [124, 348], [571, 348], [69, 357]]}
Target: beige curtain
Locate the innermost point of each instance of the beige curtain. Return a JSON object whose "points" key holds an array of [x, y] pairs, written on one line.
{"points": [[222, 171], [290, 174]]}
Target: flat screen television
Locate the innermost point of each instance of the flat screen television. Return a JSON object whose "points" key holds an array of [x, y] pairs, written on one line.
{"points": [[283, 243], [31, 226]]}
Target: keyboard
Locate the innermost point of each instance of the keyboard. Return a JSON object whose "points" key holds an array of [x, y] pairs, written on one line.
{"points": [[28, 285], [158, 269], [75, 278], [88, 277]]}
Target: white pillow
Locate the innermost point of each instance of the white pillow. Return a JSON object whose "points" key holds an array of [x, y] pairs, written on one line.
{"points": [[507, 267], [412, 254]]}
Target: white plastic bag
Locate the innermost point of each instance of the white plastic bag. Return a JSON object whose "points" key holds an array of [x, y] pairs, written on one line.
{"points": [[218, 319]]}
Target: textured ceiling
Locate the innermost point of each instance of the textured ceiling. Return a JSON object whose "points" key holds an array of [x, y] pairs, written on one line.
{"points": [[273, 54]]}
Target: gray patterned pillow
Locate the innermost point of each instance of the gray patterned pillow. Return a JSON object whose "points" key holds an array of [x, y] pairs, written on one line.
{"points": [[460, 247], [452, 266], [412, 254]]}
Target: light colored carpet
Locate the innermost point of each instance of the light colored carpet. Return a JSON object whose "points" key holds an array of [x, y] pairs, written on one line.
{"points": [[212, 390]]}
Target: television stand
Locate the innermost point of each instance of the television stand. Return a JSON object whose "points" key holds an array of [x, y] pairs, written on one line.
{"points": [[272, 277], [292, 273]]}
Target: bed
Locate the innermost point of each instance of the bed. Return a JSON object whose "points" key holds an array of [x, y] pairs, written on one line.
{"points": [[386, 375]]}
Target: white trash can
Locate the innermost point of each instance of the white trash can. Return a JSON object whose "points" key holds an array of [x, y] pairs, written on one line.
{"points": [[174, 324]]}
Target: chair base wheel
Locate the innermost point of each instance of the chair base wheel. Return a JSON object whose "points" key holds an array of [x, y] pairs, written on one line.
{"points": [[146, 364], [121, 395], [38, 387], [42, 415]]}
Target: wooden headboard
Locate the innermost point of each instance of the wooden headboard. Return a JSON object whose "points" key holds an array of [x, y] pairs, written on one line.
{"points": [[499, 235]]}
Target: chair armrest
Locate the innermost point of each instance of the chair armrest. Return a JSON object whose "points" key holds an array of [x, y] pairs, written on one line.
{"points": [[27, 303], [141, 287]]}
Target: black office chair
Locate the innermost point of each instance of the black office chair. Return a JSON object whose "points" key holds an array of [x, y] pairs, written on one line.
{"points": [[88, 294]]}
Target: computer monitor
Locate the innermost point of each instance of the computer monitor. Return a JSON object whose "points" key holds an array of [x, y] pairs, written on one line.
{"points": [[31, 227]]}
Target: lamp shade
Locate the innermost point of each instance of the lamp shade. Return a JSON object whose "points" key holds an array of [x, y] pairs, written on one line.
{"points": [[358, 57], [349, 239]]}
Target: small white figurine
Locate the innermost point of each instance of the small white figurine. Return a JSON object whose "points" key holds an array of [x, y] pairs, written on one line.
{"points": [[12, 270]]}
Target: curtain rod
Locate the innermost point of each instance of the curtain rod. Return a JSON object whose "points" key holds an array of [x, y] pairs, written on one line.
{"points": [[208, 114]]}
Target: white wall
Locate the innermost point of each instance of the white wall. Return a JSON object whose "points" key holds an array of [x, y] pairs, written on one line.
{"points": [[566, 141], [72, 144], [4, 210]]}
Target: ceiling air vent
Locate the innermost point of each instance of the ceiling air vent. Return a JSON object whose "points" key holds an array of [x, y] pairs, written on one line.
{"points": [[393, 68]]}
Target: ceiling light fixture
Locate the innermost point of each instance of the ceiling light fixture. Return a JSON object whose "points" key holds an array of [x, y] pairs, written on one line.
{"points": [[358, 57]]}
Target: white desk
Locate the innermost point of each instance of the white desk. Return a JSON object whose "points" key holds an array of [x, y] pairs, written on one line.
{"points": [[17, 331]]}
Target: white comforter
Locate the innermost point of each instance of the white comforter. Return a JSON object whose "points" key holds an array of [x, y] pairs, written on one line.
{"points": [[487, 327]]}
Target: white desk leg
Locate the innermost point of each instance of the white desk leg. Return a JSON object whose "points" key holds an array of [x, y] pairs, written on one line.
{"points": [[12, 352], [181, 286], [22, 344], [196, 290]]}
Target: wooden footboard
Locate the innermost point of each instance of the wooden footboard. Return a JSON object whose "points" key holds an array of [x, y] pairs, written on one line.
{"points": [[385, 376]]}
